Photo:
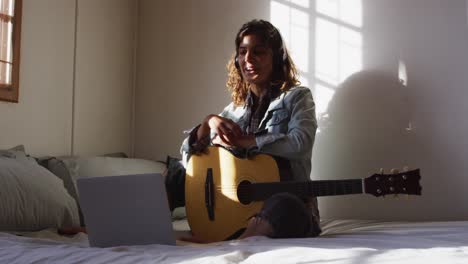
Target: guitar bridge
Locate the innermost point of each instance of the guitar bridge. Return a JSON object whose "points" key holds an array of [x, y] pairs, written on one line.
{"points": [[209, 193]]}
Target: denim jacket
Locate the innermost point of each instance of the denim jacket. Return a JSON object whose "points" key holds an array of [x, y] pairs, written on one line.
{"points": [[287, 130]]}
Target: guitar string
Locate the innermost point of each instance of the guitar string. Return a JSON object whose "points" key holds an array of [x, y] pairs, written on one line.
{"points": [[340, 188], [345, 184], [335, 186], [324, 188]]}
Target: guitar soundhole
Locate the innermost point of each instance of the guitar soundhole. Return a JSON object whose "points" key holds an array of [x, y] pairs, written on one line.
{"points": [[243, 192]]}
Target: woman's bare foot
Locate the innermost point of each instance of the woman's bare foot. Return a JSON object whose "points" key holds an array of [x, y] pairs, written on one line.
{"points": [[257, 226], [71, 230]]}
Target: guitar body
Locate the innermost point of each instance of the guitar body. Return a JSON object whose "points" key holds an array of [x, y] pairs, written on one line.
{"points": [[229, 214]]}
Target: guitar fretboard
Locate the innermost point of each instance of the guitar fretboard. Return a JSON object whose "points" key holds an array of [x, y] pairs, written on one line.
{"points": [[261, 191]]}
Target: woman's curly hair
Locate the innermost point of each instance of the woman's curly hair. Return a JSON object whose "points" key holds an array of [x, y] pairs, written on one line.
{"points": [[284, 76]]}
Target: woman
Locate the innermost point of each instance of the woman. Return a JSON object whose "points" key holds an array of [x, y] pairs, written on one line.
{"points": [[269, 112]]}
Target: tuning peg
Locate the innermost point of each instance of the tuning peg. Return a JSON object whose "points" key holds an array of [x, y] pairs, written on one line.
{"points": [[381, 171], [405, 169], [394, 171]]}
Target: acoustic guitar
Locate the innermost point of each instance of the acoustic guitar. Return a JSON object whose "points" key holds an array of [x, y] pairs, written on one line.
{"points": [[222, 191]]}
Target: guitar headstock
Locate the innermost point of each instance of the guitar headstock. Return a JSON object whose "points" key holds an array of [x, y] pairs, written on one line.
{"points": [[406, 182]]}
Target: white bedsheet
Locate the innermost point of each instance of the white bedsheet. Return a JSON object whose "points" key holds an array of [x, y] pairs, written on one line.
{"points": [[342, 241]]}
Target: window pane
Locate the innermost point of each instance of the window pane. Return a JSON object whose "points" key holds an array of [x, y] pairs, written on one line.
{"points": [[10, 17], [5, 73], [6, 51], [7, 7], [6, 40]]}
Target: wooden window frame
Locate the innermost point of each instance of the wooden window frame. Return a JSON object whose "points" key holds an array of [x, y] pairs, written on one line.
{"points": [[10, 92]]}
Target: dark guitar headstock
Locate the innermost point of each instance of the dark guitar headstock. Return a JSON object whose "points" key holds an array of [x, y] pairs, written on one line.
{"points": [[397, 183]]}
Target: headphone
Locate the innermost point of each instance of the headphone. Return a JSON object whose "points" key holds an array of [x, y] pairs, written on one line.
{"points": [[273, 34]]}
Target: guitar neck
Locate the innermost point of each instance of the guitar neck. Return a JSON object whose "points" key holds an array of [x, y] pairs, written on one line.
{"points": [[261, 191]]}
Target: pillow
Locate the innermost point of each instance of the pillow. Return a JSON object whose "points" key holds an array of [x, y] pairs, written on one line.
{"points": [[58, 168], [19, 148], [17, 152], [32, 198], [116, 155], [70, 169]]}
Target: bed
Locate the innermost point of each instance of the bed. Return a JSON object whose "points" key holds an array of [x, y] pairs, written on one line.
{"points": [[343, 241], [36, 199]]}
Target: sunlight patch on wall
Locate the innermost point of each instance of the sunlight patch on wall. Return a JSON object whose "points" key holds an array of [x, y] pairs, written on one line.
{"points": [[338, 52], [346, 11], [324, 94], [402, 73], [303, 3], [324, 39], [293, 24], [338, 45]]}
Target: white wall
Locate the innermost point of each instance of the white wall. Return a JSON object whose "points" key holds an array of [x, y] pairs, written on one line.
{"points": [[102, 101], [104, 76], [183, 49], [431, 38], [42, 118], [184, 46]]}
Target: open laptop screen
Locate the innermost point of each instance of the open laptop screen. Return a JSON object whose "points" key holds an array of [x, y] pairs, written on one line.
{"points": [[126, 210]]}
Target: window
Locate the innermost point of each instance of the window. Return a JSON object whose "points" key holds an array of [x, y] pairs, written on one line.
{"points": [[10, 33]]}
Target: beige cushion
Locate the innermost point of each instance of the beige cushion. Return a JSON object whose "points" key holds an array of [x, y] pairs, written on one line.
{"points": [[70, 169]]}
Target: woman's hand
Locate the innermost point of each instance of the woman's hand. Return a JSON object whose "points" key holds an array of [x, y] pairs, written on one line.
{"points": [[243, 141], [229, 133], [225, 128]]}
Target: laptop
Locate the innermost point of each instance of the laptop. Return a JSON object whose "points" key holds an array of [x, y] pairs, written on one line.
{"points": [[126, 210]]}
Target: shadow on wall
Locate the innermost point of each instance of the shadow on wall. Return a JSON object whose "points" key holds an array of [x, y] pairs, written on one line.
{"points": [[367, 127]]}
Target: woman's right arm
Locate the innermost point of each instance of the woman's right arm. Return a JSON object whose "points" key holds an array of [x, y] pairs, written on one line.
{"points": [[200, 136]]}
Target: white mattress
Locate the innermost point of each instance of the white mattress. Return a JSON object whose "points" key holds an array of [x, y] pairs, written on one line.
{"points": [[343, 241]]}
